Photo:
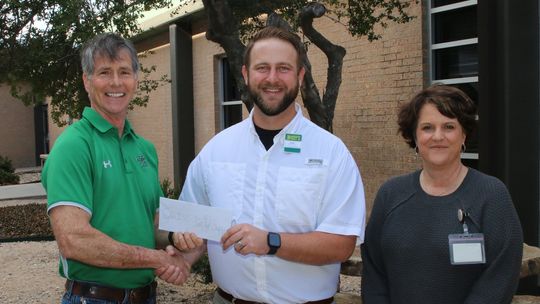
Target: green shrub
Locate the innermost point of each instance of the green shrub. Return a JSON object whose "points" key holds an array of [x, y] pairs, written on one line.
{"points": [[7, 173], [168, 190]]}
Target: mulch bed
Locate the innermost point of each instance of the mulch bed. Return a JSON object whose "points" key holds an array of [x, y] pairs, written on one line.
{"points": [[25, 222]]}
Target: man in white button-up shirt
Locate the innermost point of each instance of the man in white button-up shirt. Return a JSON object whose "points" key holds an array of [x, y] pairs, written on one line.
{"points": [[295, 189]]}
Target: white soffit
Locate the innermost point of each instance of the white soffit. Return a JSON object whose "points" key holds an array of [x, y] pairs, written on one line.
{"points": [[164, 16]]}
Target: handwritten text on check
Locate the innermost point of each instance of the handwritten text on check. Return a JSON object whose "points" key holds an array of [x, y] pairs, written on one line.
{"points": [[206, 222]]}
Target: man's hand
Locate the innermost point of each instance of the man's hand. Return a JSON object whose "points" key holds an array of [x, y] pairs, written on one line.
{"points": [[246, 239], [186, 241], [177, 270]]}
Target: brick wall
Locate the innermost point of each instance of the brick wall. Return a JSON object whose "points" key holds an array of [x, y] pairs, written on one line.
{"points": [[377, 77], [54, 130], [154, 122], [205, 89], [17, 139]]}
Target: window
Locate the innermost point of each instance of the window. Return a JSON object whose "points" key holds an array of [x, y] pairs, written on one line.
{"points": [[230, 105], [454, 55]]}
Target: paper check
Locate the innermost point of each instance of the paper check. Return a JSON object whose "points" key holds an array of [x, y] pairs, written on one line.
{"points": [[206, 222]]}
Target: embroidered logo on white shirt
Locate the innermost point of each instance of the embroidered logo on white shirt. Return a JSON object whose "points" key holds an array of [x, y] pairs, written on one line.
{"points": [[314, 162]]}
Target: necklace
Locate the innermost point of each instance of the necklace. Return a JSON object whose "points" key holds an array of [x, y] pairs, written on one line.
{"points": [[452, 186]]}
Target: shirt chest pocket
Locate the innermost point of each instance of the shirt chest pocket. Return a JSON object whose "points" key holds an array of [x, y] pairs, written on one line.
{"points": [[225, 185], [299, 195]]}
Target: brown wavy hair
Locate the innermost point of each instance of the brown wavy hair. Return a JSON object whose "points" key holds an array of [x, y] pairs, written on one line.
{"points": [[278, 33], [450, 101]]}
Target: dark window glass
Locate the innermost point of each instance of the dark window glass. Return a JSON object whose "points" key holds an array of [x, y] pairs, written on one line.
{"points": [[454, 25], [437, 3], [230, 91], [456, 62], [471, 143], [231, 114], [472, 163], [471, 89]]}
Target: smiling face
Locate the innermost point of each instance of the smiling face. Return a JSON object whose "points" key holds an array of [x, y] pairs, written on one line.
{"points": [[438, 138], [111, 86], [273, 77]]}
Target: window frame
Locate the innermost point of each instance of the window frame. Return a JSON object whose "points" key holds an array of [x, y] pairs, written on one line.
{"points": [[222, 103], [450, 44]]}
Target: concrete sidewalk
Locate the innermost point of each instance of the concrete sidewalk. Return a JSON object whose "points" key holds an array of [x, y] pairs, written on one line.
{"points": [[23, 191]]}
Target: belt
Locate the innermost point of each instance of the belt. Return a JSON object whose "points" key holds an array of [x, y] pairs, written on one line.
{"points": [[234, 300], [90, 290]]}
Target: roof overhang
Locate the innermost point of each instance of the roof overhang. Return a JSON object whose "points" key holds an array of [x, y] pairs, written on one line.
{"points": [[157, 21]]}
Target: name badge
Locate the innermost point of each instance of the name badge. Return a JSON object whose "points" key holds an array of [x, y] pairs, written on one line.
{"points": [[292, 143], [467, 248]]}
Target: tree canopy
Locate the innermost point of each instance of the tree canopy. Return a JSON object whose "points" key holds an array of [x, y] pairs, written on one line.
{"points": [[40, 42], [231, 23]]}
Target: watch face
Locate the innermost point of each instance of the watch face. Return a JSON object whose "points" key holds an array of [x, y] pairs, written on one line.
{"points": [[274, 240]]}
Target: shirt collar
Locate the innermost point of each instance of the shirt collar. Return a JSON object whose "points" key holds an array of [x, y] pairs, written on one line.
{"points": [[101, 124], [289, 128]]}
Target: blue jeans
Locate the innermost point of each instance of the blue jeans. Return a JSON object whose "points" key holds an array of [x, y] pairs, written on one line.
{"points": [[69, 298]]}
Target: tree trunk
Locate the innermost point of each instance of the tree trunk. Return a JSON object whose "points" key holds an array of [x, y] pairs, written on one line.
{"points": [[222, 29]]}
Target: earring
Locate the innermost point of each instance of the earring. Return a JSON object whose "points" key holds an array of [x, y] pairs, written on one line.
{"points": [[416, 150], [463, 147]]}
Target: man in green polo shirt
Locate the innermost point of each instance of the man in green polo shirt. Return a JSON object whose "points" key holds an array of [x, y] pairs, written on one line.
{"points": [[103, 190]]}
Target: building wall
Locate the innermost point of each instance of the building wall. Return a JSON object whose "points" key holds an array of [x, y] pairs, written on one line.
{"points": [[16, 130], [377, 77], [154, 122], [54, 130], [204, 89]]}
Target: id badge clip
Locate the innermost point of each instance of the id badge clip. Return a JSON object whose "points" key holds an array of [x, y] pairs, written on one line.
{"points": [[466, 248]]}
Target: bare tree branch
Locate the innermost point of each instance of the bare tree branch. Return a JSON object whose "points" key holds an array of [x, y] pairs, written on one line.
{"points": [[309, 91], [334, 53]]}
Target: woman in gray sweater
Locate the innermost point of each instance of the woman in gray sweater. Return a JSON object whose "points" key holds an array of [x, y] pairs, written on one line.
{"points": [[446, 233]]}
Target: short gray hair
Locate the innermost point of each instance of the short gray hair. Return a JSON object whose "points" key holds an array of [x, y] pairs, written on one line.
{"points": [[106, 44]]}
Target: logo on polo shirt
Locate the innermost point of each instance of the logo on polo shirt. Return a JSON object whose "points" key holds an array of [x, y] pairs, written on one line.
{"points": [[107, 164], [142, 161]]}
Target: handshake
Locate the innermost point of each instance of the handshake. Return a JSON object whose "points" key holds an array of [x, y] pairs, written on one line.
{"points": [[174, 263]]}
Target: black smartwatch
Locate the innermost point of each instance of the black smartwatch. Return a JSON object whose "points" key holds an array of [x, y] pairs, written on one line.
{"points": [[274, 242]]}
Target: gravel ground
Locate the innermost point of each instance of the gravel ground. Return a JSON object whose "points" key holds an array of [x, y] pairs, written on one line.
{"points": [[29, 272], [30, 275]]}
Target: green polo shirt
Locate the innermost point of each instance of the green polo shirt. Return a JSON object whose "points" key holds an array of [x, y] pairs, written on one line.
{"points": [[116, 181]]}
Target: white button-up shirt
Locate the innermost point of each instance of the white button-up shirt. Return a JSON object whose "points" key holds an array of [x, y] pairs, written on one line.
{"points": [[315, 188]]}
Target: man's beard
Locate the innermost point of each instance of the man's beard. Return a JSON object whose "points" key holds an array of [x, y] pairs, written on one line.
{"points": [[285, 102]]}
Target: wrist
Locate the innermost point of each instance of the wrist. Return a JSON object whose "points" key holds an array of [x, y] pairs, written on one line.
{"points": [[171, 240]]}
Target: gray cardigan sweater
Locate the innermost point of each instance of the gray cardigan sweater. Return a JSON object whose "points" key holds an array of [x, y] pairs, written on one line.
{"points": [[406, 255]]}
